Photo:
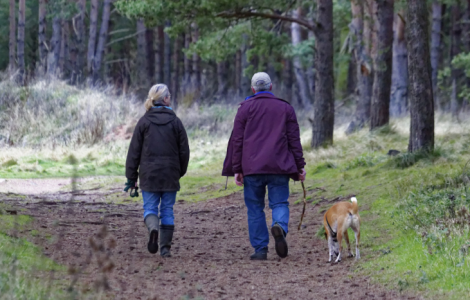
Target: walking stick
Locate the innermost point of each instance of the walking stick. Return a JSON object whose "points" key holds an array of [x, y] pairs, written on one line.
{"points": [[305, 202]]}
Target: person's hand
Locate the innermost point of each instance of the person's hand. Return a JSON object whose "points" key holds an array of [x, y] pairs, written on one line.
{"points": [[239, 179], [302, 175], [130, 184]]}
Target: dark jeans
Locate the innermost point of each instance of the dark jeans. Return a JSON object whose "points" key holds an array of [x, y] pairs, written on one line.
{"points": [[278, 195]]}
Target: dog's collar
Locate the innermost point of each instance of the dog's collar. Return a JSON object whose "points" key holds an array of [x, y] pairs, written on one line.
{"points": [[333, 234]]}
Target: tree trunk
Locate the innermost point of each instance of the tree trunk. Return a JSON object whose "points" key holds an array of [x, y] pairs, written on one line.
{"points": [[77, 73], [399, 96], [238, 72], [456, 36], [361, 29], [42, 38], [304, 95], [436, 45], [21, 25], [380, 109], [102, 40], [150, 55], [287, 80], [352, 82], [64, 48], [142, 67], [158, 48], [187, 61], [245, 81], [175, 85], [323, 107], [54, 55], [167, 58], [196, 80], [92, 36], [221, 80], [12, 43], [420, 82]]}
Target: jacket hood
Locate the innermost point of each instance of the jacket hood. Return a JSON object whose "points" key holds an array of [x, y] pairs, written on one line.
{"points": [[160, 116]]}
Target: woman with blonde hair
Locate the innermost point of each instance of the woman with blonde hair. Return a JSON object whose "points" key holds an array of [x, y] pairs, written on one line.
{"points": [[158, 155]]}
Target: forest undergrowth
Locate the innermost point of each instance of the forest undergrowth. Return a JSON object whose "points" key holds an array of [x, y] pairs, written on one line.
{"points": [[414, 207]]}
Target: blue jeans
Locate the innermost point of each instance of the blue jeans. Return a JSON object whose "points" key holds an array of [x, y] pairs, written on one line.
{"points": [[278, 195], [152, 201]]}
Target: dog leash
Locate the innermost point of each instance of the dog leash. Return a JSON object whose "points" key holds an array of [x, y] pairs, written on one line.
{"points": [[305, 202]]}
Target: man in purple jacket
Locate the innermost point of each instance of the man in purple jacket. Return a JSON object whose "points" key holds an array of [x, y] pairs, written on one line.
{"points": [[265, 150]]}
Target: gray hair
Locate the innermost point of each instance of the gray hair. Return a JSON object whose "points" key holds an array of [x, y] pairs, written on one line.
{"points": [[261, 82]]}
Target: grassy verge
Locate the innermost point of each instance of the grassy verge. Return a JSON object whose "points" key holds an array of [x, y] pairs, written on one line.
{"points": [[22, 263]]}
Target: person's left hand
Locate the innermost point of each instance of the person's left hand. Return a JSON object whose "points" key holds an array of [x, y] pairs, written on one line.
{"points": [[239, 179]]}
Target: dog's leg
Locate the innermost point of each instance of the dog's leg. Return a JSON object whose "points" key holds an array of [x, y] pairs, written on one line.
{"points": [[330, 249], [357, 234], [346, 237], [340, 244]]}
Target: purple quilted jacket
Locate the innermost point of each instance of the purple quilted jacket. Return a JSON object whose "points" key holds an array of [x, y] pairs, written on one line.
{"points": [[265, 139]]}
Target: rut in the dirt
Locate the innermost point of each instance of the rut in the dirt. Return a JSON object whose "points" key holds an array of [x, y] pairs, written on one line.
{"points": [[210, 254]]}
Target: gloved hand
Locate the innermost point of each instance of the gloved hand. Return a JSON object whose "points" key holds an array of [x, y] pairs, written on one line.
{"points": [[132, 185]]}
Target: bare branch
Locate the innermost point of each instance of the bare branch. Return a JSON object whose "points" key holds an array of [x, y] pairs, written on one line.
{"points": [[251, 14]]}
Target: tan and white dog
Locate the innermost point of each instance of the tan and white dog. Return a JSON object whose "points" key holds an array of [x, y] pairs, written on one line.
{"points": [[337, 220]]}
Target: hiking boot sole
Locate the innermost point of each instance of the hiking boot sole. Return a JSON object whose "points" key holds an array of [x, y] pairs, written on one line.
{"points": [[279, 241], [152, 246]]}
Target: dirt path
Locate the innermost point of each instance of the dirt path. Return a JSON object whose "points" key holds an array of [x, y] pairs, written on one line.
{"points": [[210, 253]]}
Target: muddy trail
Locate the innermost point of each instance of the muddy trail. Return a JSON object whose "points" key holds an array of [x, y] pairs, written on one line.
{"points": [[104, 246]]}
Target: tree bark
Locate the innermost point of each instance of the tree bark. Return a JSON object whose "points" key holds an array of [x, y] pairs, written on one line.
{"points": [[456, 36], [150, 55], [92, 36], [102, 40], [142, 67], [158, 48], [420, 82], [304, 95], [77, 74], [21, 26], [323, 107], [187, 61], [436, 45], [221, 80], [380, 110], [12, 42], [54, 55], [287, 80], [238, 72], [352, 82], [175, 85], [42, 38], [196, 80], [64, 47], [167, 58], [245, 81], [361, 29], [399, 94]]}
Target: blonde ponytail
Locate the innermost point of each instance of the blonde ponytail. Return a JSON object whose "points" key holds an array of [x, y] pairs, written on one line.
{"points": [[157, 93]]}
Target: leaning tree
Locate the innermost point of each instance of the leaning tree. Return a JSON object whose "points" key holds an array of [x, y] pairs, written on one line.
{"points": [[210, 16]]}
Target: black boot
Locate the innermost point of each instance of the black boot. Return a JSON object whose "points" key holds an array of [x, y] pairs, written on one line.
{"points": [[279, 240], [152, 223], [166, 235], [260, 255]]}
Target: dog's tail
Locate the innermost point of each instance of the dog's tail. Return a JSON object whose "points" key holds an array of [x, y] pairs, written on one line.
{"points": [[354, 205]]}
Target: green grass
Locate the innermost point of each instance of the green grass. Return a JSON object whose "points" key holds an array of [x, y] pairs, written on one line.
{"points": [[22, 265]]}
